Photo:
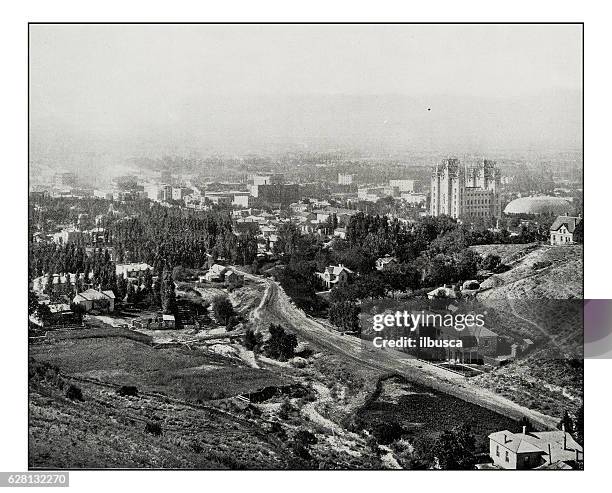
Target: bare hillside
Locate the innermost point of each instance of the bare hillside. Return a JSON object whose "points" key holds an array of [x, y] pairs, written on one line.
{"points": [[536, 272], [538, 298]]}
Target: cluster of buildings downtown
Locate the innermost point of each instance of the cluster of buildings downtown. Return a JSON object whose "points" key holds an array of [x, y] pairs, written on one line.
{"points": [[267, 201], [456, 190]]}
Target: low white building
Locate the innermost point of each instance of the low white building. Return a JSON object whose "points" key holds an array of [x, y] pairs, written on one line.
{"points": [[402, 185], [168, 321], [335, 275], [340, 233], [132, 270], [442, 292], [535, 450], [96, 300], [413, 198], [216, 273], [385, 263]]}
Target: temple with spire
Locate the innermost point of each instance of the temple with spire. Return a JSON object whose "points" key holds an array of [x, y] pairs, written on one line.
{"points": [[465, 192]]}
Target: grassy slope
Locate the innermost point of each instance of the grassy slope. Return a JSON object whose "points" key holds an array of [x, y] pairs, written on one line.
{"points": [[191, 374], [108, 431], [543, 305], [507, 253], [175, 385], [563, 279]]}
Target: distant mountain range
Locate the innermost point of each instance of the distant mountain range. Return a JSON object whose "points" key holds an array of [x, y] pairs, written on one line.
{"points": [[381, 125]]}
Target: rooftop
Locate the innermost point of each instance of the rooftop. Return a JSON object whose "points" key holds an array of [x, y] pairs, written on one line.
{"points": [[559, 444], [539, 204], [571, 222]]}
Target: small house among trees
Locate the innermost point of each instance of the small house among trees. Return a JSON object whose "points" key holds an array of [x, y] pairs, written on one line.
{"points": [[233, 279], [566, 230], [336, 275], [216, 273], [92, 299], [385, 263]]}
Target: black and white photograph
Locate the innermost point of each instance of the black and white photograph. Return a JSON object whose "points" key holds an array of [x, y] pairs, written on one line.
{"points": [[305, 246]]}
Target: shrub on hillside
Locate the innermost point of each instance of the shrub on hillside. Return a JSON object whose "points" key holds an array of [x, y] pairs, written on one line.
{"points": [[541, 265], [490, 262], [281, 345], [252, 340], [74, 393], [153, 427], [223, 309], [387, 432], [127, 391]]}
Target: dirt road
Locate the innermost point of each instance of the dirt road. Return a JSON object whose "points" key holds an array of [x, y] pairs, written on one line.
{"points": [[276, 307]]}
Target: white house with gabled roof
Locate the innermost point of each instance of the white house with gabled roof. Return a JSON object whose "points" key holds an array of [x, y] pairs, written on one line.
{"points": [[335, 275]]}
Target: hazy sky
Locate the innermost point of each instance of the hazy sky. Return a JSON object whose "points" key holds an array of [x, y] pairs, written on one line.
{"points": [[135, 82]]}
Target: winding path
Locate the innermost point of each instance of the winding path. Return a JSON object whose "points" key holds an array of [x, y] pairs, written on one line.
{"points": [[276, 307]]}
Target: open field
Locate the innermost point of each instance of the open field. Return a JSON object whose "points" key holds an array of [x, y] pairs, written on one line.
{"points": [[192, 374]]}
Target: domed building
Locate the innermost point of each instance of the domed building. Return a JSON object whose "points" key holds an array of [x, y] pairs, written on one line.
{"points": [[540, 204]]}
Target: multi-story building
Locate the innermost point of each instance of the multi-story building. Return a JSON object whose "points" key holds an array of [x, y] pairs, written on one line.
{"points": [[219, 198], [278, 194], [403, 185], [256, 181], [462, 192], [242, 199], [344, 179], [414, 198], [65, 180], [179, 193], [370, 194], [335, 274], [164, 193]]}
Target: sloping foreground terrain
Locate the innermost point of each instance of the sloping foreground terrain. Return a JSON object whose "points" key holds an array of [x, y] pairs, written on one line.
{"points": [[113, 398], [539, 298], [166, 425], [106, 430]]}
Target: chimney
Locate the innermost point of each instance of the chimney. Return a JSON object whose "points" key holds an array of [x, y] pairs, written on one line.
{"points": [[524, 430], [549, 454]]}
